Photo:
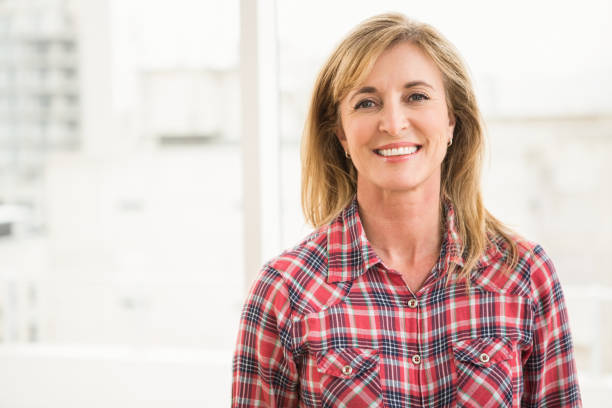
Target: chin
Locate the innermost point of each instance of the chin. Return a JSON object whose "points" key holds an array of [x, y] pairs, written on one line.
{"points": [[395, 186]]}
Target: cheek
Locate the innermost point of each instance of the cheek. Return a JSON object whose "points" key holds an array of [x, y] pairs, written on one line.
{"points": [[437, 126], [358, 132]]}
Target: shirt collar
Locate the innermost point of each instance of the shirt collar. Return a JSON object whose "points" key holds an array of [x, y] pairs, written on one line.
{"points": [[350, 253], [453, 244]]}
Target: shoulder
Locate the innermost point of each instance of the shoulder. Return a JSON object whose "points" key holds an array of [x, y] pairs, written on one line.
{"points": [[531, 257], [299, 276], [544, 283], [532, 271], [309, 257]]}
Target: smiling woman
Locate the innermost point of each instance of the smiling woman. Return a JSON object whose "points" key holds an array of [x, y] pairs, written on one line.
{"points": [[408, 293]]}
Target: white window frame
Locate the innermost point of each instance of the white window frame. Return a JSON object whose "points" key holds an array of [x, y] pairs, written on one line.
{"points": [[260, 134]]}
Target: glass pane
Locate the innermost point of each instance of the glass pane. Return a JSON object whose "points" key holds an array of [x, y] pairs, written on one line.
{"points": [[120, 200]]}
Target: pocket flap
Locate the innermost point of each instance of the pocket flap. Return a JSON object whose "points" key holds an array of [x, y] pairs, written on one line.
{"points": [[483, 351], [346, 363]]}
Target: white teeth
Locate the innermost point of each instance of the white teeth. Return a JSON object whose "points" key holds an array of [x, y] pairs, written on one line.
{"points": [[397, 151]]}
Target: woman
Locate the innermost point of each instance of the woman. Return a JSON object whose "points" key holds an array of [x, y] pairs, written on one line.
{"points": [[408, 293]]}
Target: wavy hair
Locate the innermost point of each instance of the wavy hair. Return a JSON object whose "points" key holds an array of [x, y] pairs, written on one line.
{"points": [[329, 180]]}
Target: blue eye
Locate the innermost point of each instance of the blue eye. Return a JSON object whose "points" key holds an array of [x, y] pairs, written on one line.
{"points": [[418, 97], [366, 103]]}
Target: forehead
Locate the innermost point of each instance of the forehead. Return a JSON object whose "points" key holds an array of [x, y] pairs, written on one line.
{"points": [[399, 64]]}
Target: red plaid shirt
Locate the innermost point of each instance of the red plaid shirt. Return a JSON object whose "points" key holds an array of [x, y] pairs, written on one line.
{"points": [[327, 324]]}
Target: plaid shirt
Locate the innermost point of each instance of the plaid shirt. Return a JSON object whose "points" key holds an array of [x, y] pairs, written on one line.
{"points": [[327, 324]]}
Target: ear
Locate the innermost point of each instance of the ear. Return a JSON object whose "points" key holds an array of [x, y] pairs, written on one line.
{"points": [[341, 137], [451, 123]]}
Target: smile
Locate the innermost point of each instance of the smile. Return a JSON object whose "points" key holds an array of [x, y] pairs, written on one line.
{"points": [[397, 151]]}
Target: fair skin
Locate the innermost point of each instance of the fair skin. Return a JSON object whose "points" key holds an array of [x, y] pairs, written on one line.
{"points": [[402, 105]]}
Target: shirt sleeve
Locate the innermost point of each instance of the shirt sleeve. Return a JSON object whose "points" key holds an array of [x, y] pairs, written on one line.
{"points": [[549, 370], [264, 371]]}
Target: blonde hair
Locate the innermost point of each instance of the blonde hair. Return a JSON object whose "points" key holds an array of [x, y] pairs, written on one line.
{"points": [[329, 180]]}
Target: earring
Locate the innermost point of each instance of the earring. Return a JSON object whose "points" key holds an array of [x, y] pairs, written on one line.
{"points": [[346, 154], [450, 142]]}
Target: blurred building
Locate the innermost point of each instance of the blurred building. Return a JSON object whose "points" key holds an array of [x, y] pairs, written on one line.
{"points": [[39, 89], [39, 113]]}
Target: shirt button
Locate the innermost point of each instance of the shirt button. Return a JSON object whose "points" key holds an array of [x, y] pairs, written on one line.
{"points": [[416, 359], [412, 303], [347, 370], [484, 357]]}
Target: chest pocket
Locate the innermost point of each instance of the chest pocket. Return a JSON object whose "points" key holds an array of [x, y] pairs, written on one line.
{"points": [[483, 372], [350, 377]]}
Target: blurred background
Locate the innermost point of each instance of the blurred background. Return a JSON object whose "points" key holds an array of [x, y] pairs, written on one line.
{"points": [[149, 164]]}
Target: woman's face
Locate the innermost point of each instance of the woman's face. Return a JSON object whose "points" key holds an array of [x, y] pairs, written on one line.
{"points": [[395, 125]]}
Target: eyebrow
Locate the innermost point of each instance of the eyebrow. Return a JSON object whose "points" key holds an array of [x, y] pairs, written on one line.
{"points": [[408, 85]]}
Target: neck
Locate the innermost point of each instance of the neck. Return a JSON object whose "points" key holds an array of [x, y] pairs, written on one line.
{"points": [[401, 225]]}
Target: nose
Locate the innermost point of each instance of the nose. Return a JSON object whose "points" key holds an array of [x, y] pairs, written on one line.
{"points": [[393, 119]]}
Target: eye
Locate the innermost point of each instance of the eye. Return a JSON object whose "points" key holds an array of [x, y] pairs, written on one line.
{"points": [[418, 97], [366, 103]]}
